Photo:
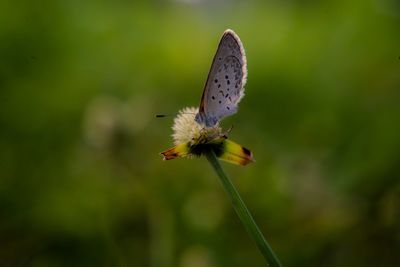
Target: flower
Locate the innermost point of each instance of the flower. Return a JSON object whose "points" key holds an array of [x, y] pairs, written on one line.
{"points": [[186, 129], [193, 139]]}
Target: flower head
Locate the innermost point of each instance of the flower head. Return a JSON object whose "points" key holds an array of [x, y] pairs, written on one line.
{"points": [[192, 139], [187, 130]]}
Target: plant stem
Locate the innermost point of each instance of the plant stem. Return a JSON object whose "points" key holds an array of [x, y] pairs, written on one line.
{"points": [[243, 212]]}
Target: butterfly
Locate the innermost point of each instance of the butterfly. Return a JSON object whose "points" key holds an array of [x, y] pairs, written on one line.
{"points": [[225, 82], [222, 93]]}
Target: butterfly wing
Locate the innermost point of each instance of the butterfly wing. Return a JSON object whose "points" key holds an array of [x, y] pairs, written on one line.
{"points": [[225, 82]]}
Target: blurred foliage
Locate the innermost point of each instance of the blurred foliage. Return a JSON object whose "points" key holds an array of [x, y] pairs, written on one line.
{"points": [[81, 181]]}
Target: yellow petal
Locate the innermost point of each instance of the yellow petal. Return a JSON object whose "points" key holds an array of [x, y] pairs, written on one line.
{"points": [[181, 150], [232, 152]]}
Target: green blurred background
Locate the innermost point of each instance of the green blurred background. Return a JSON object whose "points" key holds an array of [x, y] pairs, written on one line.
{"points": [[82, 183]]}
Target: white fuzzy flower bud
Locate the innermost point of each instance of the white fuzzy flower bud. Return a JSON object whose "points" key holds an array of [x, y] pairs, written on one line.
{"points": [[186, 129]]}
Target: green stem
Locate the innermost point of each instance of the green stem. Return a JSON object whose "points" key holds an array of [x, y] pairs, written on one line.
{"points": [[243, 212]]}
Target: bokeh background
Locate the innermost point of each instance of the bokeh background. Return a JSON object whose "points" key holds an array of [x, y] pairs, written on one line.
{"points": [[82, 183]]}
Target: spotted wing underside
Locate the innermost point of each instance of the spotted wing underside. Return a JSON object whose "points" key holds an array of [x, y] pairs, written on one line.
{"points": [[225, 82]]}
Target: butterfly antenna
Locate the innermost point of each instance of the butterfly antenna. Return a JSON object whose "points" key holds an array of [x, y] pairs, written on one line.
{"points": [[173, 114], [162, 115]]}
